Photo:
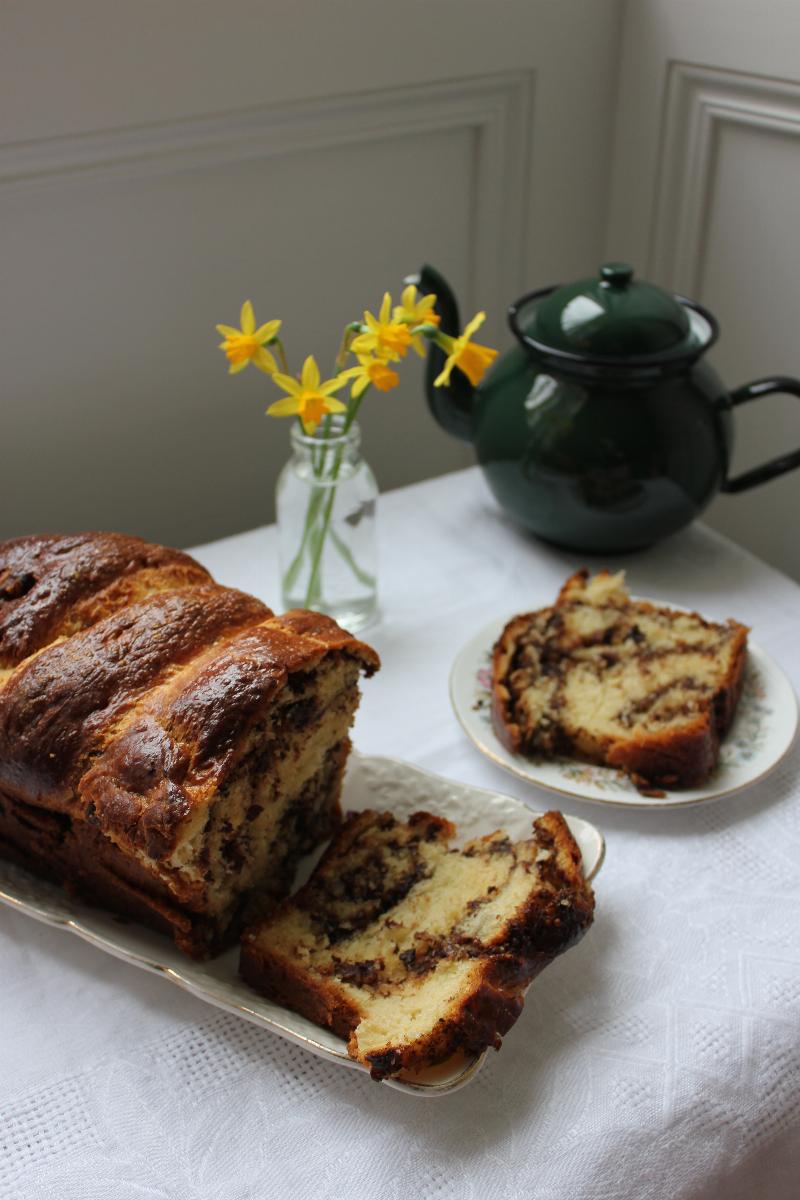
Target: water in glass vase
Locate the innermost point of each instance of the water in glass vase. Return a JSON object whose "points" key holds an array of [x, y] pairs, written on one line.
{"points": [[326, 500]]}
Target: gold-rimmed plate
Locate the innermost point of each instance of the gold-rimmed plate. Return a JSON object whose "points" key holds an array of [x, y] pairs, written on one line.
{"points": [[379, 783], [762, 733]]}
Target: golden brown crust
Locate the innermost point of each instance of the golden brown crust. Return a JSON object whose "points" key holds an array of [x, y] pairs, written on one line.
{"points": [[285, 982], [331, 635], [129, 682], [77, 854], [671, 758], [184, 738], [549, 923], [62, 710], [506, 728], [686, 758], [482, 1021], [92, 868], [60, 706], [51, 584], [727, 699], [683, 757], [578, 578]]}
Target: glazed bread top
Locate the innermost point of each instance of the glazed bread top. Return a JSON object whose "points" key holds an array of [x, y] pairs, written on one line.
{"points": [[52, 585], [127, 678]]}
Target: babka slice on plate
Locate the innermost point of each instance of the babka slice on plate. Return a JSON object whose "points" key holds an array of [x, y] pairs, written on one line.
{"points": [[411, 948], [607, 679]]}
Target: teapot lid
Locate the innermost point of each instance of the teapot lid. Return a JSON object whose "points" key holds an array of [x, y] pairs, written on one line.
{"points": [[612, 319]]}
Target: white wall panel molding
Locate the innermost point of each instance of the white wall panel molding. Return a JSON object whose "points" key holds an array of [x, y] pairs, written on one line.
{"points": [[497, 109], [700, 101], [314, 206]]}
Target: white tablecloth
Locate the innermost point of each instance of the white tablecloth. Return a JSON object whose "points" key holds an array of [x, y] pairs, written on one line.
{"points": [[657, 1060]]}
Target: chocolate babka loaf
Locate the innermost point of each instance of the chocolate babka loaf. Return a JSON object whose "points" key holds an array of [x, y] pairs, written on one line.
{"points": [[612, 680], [168, 747], [412, 949]]}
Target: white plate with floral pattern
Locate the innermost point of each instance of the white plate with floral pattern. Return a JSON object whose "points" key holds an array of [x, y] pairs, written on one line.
{"points": [[385, 784], [761, 735]]}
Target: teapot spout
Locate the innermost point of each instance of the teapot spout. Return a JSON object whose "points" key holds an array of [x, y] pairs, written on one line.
{"points": [[451, 405]]}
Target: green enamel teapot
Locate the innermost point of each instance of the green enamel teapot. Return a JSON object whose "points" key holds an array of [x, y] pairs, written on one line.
{"points": [[604, 428]]}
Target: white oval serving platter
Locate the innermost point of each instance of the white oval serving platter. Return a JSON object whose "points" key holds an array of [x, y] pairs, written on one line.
{"points": [[761, 735], [378, 783]]}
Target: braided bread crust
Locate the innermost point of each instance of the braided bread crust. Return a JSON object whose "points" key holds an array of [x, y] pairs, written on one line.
{"points": [[167, 733]]}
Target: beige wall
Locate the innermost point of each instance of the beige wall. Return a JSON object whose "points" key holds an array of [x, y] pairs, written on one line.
{"points": [[705, 195], [162, 161]]}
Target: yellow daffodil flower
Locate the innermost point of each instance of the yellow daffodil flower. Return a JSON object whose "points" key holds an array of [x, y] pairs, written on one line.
{"points": [[246, 345], [309, 399], [417, 310], [384, 338], [470, 358], [370, 371]]}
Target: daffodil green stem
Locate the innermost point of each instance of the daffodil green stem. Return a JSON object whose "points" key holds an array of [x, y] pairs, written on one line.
{"points": [[319, 452], [316, 563], [314, 533], [344, 550], [313, 537], [312, 512]]}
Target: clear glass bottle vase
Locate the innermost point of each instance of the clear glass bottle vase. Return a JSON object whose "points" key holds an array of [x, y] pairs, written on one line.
{"points": [[326, 500]]}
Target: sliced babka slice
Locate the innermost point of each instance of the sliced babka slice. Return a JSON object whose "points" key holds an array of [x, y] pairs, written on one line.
{"points": [[413, 949], [624, 682]]}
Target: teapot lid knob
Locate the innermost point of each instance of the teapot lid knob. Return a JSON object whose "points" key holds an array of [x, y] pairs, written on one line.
{"points": [[616, 274]]}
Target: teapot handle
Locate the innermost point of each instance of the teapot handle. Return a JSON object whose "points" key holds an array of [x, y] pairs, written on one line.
{"points": [[776, 466]]}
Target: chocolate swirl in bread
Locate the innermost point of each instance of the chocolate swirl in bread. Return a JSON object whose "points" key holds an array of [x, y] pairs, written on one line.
{"points": [[167, 745], [413, 949], [608, 679]]}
